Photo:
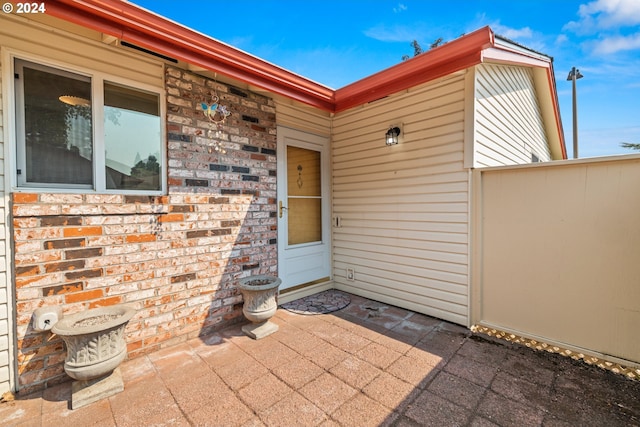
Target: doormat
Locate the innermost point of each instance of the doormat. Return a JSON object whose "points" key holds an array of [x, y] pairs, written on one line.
{"points": [[321, 303]]}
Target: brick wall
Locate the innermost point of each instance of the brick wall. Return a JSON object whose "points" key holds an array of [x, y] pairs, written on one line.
{"points": [[175, 258]]}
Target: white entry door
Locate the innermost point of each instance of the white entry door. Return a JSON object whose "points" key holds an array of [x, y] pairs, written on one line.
{"points": [[303, 208]]}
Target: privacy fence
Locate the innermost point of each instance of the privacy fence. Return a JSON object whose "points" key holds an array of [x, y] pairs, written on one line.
{"points": [[557, 256]]}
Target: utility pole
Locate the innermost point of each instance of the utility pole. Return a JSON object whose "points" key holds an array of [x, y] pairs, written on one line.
{"points": [[574, 75]]}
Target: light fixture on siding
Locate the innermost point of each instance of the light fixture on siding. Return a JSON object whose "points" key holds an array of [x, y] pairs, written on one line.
{"points": [[391, 137]]}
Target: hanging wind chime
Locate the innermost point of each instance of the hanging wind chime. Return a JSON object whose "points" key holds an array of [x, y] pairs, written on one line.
{"points": [[217, 114]]}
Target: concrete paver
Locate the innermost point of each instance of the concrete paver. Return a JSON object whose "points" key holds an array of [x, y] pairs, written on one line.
{"points": [[368, 364]]}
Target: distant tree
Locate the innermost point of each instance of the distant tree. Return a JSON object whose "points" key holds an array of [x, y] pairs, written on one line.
{"points": [[142, 168], [417, 49], [630, 145], [437, 42]]}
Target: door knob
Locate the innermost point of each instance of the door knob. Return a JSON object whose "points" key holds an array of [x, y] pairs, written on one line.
{"points": [[281, 207]]}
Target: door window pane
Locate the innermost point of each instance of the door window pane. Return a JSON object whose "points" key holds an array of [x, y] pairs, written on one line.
{"points": [[303, 172], [132, 139], [305, 225], [304, 196], [57, 126]]}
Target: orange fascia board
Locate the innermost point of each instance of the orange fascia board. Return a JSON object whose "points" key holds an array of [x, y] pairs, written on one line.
{"points": [[448, 58], [146, 29], [138, 26], [556, 110]]}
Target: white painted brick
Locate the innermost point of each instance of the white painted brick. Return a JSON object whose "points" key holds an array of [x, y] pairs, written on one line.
{"points": [[153, 321]]}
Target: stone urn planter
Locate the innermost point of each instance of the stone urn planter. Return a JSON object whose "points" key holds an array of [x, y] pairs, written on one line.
{"points": [[259, 294], [95, 347]]}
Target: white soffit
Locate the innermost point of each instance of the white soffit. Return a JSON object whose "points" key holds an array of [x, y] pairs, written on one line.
{"points": [[502, 56]]}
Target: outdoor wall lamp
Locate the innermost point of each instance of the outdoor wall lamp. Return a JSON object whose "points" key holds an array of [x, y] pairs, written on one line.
{"points": [[391, 137]]}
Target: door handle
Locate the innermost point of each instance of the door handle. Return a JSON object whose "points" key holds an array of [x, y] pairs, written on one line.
{"points": [[280, 207]]}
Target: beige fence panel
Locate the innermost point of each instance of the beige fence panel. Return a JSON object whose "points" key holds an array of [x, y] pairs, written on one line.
{"points": [[557, 254]]}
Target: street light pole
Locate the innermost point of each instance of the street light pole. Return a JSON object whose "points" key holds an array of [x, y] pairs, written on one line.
{"points": [[574, 75]]}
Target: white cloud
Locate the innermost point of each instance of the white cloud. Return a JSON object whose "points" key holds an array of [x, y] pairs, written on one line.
{"points": [[396, 33], [400, 8], [613, 13], [614, 70], [605, 14], [610, 45], [515, 34], [525, 36]]}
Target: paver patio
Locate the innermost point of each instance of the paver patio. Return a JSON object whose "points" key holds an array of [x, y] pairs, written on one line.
{"points": [[369, 364]]}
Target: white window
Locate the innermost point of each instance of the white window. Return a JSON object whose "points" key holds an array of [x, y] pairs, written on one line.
{"points": [[80, 131]]}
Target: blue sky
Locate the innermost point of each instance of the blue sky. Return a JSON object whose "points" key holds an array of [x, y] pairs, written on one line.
{"points": [[338, 42]]}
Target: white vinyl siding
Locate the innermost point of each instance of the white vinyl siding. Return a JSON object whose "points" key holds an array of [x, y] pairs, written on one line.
{"points": [[5, 291], [27, 37], [303, 118], [403, 209], [508, 120]]}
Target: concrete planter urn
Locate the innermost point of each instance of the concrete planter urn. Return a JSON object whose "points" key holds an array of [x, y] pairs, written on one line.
{"points": [[259, 294], [95, 347]]}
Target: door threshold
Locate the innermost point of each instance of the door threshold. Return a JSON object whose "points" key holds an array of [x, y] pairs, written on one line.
{"points": [[304, 290]]}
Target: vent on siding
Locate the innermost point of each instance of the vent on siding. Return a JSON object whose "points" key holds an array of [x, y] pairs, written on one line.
{"points": [[238, 92], [147, 51], [534, 158]]}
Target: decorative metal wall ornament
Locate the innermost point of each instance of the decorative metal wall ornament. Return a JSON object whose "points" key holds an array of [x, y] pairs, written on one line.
{"points": [[299, 181], [217, 114]]}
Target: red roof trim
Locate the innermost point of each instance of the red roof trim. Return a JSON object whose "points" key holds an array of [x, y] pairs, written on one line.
{"points": [[136, 25], [454, 56], [556, 110]]}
